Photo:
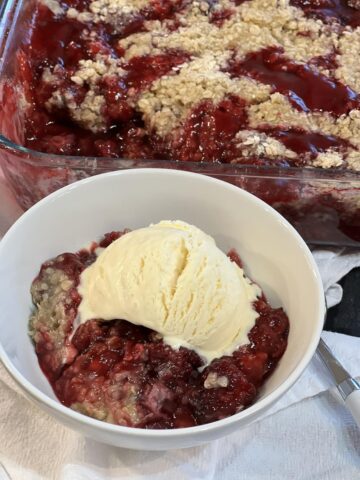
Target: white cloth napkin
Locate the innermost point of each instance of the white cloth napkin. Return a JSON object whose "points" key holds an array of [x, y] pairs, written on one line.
{"points": [[333, 265], [312, 438]]}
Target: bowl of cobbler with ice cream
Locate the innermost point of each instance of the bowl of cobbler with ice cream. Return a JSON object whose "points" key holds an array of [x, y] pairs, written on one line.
{"points": [[156, 309]]}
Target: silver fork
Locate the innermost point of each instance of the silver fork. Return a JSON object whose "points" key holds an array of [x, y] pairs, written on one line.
{"points": [[348, 387]]}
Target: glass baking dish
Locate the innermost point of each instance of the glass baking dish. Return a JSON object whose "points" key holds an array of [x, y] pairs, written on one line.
{"points": [[323, 205]]}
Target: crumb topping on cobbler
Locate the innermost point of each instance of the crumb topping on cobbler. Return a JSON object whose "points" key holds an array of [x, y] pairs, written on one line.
{"points": [[256, 144], [149, 78], [53, 5], [56, 299], [171, 98]]}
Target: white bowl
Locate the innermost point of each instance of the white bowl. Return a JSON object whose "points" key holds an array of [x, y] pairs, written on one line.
{"points": [[273, 253]]}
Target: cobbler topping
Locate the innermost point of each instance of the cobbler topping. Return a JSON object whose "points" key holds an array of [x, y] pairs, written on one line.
{"points": [[125, 374], [54, 6], [55, 295], [213, 380], [258, 144], [152, 79]]}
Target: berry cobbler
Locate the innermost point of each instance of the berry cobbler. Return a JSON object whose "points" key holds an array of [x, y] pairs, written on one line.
{"points": [[264, 82], [215, 338]]}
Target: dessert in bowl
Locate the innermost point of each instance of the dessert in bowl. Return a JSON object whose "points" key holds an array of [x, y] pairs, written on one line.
{"points": [[273, 256], [154, 328]]}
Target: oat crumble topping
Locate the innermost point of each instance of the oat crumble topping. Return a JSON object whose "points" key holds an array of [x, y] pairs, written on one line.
{"points": [[108, 11], [171, 98], [259, 144], [91, 71], [328, 159], [50, 294], [54, 6], [213, 380], [349, 51]]}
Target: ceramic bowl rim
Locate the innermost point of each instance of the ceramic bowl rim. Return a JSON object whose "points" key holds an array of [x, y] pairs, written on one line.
{"points": [[257, 407]]}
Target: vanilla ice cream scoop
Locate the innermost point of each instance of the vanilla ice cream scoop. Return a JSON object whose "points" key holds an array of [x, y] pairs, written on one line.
{"points": [[171, 277]]}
